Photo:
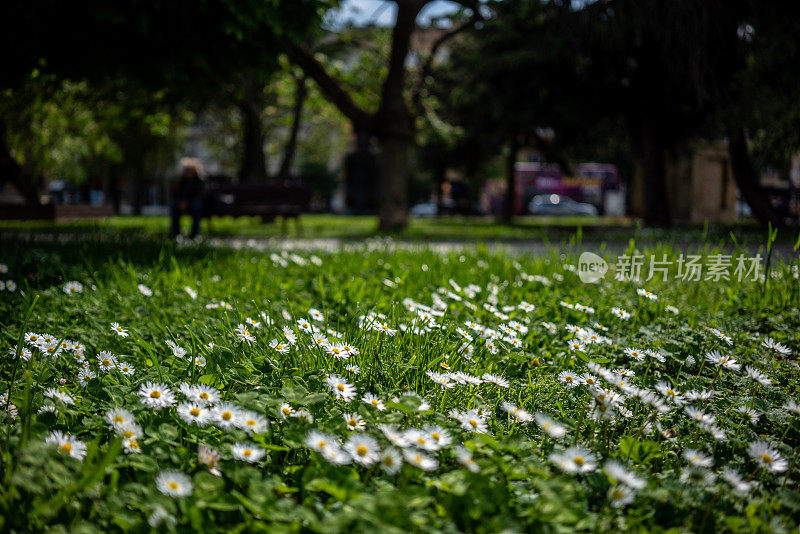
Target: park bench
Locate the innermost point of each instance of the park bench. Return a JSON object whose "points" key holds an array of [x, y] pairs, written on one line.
{"points": [[267, 201], [53, 212]]}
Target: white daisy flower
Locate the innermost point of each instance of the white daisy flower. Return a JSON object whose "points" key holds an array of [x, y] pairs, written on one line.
{"points": [[569, 379], [279, 346], [117, 329], [319, 442], [125, 369], [354, 422], [622, 475], [247, 453], [174, 483], [420, 460], [156, 396], [285, 410], [226, 415], [55, 394], [549, 426], [67, 444], [131, 446], [697, 458], [194, 413], [72, 288], [363, 450], [252, 422], [374, 401], [620, 496], [472, 422], [202, 394], [119, 418], [574, 460], [520, 415], [390, 460], [739, 485], [106, 361], [767, 457], [758, 376], [496, 380], [243, 334], [340, 388], [144, 290], [396, 437], [465, 458], [337, 350]]}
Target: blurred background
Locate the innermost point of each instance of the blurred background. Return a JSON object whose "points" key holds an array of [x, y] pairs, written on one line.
{"points": [[665, 112]]}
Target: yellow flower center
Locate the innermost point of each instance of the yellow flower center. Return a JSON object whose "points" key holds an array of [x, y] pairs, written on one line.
{"points": [[388, 460], [248, 453], [579, 460], [173, 485], [66, 448], [473, 423], [119, 419], [133, 444], [286, 410], [106, 362], [128, 434], [568, 378], [617, 494], [766, 458], [436, 436], [340, 387], [361, 450], [352, 422], [251, 422], [204, 395], [155, 394], [227, 416], [374, 402], [195, 411]]}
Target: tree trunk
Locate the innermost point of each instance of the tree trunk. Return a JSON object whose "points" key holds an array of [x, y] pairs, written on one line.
{"points": [[12, 171], [392, 183], [394, 124], [747, 180], [254, 163], [291, 143], [510, 205], [655, 187]]}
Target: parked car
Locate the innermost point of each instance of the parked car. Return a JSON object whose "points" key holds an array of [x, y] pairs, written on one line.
{"points": [[559, 205], [427, 209]]}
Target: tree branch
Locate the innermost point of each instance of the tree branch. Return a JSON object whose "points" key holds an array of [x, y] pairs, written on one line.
{"points": [[330, 87], [426, 67]]}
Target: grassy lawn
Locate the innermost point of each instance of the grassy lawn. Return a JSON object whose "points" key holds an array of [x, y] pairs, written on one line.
{"points": [[379, 389], [481, 229]]}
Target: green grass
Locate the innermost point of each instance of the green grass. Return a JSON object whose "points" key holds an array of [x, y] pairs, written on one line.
{"points": [[482, 229], [516, 485]]}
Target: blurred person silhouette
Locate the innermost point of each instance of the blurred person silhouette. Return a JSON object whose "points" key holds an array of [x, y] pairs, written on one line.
{"points": [[187, 197]]}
